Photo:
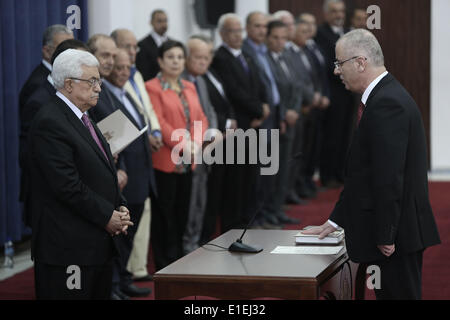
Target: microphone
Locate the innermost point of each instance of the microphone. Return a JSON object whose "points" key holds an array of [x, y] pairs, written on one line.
{"points": [[238, 245]]}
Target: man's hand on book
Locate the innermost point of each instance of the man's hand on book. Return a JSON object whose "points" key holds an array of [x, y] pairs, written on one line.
{"points": [[322, 230]]}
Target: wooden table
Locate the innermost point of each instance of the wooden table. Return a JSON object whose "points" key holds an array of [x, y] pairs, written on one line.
{"points": [[213, 272]]}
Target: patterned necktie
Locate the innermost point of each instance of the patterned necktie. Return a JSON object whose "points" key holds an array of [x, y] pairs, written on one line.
{"points": [[243, 62], [89, 125], [360, 112]]}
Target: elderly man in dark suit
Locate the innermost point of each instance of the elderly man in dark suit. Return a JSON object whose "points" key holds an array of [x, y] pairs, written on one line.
{"points": [[77, 205], [52, 37], [146, 59], [246, 93], [338, 118], [37, 100], [136, 163], [384, 207]]}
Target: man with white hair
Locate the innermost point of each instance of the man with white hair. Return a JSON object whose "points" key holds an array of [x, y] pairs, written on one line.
{"points": [[246, 94], [384, 207], [76, 201]]}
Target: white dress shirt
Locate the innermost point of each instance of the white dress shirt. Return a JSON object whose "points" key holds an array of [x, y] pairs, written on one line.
{"points": [[159, 40], [47, 65]]}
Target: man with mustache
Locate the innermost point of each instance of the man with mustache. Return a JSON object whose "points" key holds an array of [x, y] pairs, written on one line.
{"points": [[78, 210]]}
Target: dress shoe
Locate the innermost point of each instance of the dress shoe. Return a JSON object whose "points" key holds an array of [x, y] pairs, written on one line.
{"points": [[146, 278], [133, 291], [288, 220], [293, 198], [119, 295]]}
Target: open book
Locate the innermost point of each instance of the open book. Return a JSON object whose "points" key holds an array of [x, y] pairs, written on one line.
{"points": [[333, 238], [119, 131]]}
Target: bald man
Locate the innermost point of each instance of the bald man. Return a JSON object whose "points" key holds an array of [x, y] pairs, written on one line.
{"points": [[197, 63], [384, 206], [135, 87]]}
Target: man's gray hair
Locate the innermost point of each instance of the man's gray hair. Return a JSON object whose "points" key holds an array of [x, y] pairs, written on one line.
{"points": [[69, 64], [223, 18], [363, 42], [326, 4], [49, 33], [281, 13]]}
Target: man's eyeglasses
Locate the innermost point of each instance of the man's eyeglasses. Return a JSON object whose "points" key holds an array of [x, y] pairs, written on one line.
{"points": [[338, 64], [92, 82]]}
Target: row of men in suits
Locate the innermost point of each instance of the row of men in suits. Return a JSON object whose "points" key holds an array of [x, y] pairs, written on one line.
{"points": [[324, 130]]}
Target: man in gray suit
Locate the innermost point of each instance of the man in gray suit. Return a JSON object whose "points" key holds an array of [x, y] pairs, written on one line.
{"points": [[302, 70], [291, 99], [254, 46], [197, 64]]}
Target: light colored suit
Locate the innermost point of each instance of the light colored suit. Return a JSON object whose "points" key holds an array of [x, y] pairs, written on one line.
{"points": [[145, 105], [137, 263]]}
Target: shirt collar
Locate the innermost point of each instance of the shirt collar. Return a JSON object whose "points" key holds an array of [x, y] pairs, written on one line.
{"points": [[372, 85], [47, 65], [235, 52], [72, 107], [260, 48], [50, 79], [158, 39], [338, 30], [116, 90]]}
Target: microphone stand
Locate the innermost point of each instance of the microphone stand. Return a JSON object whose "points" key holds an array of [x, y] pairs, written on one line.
{"points": [[238, 245]]}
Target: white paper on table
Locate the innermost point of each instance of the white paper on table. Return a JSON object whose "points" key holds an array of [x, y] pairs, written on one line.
{"points": [[119, 131], [316, 250]]}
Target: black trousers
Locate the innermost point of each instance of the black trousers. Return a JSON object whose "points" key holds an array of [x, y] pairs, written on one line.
{"points": [[169, 216], [51, 282], [401, 277]]}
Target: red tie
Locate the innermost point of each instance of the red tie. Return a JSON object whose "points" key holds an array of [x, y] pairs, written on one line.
{"points": [[89, 125], [360, 112]]}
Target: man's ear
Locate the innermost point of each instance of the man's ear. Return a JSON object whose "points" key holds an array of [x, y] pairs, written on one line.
{"points": [[46, 53], [68, 85]]}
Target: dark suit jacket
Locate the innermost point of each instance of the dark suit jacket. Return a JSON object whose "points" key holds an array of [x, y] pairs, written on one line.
{"points": [[289, 86], [74, 190], [245, 91], [136, 159], [326, 39], [385, 197], [302, 75], [146, 58], [37, 100], [221, 105], [34, 81]]}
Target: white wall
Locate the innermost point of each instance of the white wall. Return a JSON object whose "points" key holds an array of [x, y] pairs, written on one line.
{"points": [[107, 15], [440, 85]]}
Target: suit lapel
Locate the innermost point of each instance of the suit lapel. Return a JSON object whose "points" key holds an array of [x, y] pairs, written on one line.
{"points": [[84, 132]]}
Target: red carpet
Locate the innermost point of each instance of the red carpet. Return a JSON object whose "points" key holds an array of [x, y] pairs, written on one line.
{"points": [[436, 268]]}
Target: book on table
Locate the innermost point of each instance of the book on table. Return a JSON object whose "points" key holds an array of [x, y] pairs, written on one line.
{"points": [[333, 238]]}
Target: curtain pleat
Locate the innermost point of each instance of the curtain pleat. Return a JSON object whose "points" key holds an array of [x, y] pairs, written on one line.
{"points": [[22, 24]]}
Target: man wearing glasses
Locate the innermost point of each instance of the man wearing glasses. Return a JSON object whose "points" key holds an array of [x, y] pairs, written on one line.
{"points": [[384, 207], [78, 209]]}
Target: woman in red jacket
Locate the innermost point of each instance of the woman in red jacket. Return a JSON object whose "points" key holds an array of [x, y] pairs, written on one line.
{"points": [[177, 106]]}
